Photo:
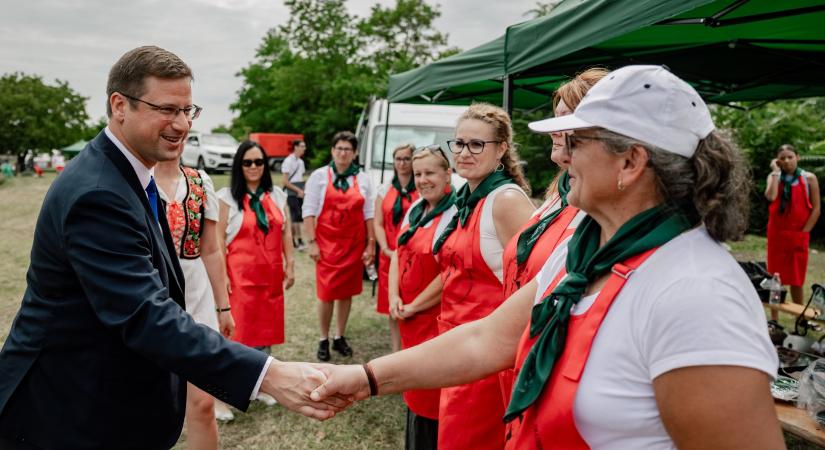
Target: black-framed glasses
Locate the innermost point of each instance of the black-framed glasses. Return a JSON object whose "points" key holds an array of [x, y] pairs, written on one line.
{"points": [[344, 149], [475, 146], [170, 112], [434, 148], [252, 162], [572, 141]]}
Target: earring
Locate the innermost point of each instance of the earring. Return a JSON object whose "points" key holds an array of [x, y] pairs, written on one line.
{"points": [[500, 167], [621, 186]]}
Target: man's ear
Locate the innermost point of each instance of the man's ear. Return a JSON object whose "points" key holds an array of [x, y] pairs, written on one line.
{"points": [[118, 104]]}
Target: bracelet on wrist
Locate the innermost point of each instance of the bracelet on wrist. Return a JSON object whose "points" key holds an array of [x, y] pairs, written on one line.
{"points": [[220, 310], [371, 379]]}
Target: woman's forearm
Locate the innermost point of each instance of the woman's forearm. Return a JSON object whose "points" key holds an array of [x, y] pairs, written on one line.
{"points": [[378, 225], [392, 279], [430, 296], [213, 261]]}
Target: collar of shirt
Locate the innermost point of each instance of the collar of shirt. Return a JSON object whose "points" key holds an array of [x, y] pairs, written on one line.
{"points": [[143, 173]]}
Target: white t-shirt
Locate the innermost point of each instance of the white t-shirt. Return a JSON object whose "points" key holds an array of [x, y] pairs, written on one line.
{"points": [[316, 189], [235, 218], [689, 304], [491, 248], [294, 167], [446, 216]]}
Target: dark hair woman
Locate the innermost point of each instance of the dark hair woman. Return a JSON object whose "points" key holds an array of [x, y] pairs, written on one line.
{"points": [[643, 332], [258, 244], [794, 210]]}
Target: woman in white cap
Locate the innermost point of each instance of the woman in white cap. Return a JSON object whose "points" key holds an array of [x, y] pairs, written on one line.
{"points": [[643, 332]]}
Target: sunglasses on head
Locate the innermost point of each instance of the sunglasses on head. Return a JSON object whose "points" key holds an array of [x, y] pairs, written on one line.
{"points": [[251, 162], [433, 148]]}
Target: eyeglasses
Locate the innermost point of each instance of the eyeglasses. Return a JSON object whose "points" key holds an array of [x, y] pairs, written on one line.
{"points": [[475, 146], [403, 159], [572, 141], [344, 149], [252, 162], [170, 112]]}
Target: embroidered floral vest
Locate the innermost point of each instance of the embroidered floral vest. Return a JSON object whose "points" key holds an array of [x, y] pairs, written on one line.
{"points": [[186, 218]]}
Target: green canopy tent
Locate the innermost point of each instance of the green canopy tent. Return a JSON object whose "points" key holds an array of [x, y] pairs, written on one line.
{"points": [[730, 50], [72, 150]]}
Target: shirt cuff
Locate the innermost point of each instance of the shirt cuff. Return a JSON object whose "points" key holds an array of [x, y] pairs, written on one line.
{"points": [[261, 378]]}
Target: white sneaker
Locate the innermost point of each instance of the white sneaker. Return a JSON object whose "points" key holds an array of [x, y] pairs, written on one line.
{"points": [[266, 398], [223, 413]]}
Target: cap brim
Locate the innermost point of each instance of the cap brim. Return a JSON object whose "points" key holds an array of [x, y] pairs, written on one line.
{"points": [[563, 123]]}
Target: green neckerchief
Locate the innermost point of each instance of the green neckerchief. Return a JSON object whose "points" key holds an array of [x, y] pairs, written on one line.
{"points": [[586, 262], [528, 238], [418, 219], [341, 181], [787, 181], [398, 206], [255, 204], [466, 201]]}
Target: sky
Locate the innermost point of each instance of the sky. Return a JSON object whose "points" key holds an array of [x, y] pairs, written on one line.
{"points": [[78, 40]]}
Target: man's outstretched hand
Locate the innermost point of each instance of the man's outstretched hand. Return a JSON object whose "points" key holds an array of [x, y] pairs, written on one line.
{"points": [[291, 383], [344, 383]]}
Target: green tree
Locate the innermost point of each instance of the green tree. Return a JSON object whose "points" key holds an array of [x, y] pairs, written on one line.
{"points": [[38, 116], [542, 9], [314, 74]]}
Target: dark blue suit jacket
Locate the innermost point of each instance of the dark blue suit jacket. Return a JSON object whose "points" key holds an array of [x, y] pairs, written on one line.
{"points": [[101, 348]]}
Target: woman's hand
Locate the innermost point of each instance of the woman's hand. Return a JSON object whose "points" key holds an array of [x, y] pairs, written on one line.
{"points": [[289, 278], [774, 166], [407, 311], [396, 306], [314, 251], [369, 254], [226, 324]]}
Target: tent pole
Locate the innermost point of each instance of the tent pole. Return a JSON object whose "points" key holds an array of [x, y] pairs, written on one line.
{"points": [[507, 95], [386, 134]]}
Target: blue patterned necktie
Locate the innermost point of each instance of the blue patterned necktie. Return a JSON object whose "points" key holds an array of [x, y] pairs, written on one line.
{"points": [[152, 193]]}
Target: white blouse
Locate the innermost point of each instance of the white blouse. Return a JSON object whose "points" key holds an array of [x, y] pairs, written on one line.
{"points": [[316, 189], [235, 219]]}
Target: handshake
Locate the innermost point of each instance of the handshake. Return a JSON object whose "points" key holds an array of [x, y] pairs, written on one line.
{"points": [[316, 390]]}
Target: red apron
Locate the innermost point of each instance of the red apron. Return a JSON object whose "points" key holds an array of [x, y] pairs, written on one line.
{"points": [[549, 423], [417, 268], [787, 243], [391, 230], [516, 276], [469, 415], [341, 234], [254, 263]]}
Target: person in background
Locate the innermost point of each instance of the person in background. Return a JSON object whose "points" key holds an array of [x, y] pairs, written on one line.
{"points": [[392, 202], [293, 170], [643, 331], [554, 221], [415, 281], [192, 215], [255, 233], [492, 206], [338, 214], [58, 161], [794, 209]]}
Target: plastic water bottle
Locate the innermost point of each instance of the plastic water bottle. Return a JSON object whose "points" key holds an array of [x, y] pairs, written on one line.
{"points": [[775, 296], [371, 272]]}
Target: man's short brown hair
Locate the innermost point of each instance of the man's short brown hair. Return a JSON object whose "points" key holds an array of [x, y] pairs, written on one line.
{"points": [[345, 136], [136, 65]]}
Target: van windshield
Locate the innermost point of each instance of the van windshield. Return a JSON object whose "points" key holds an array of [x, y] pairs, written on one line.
{"points": [[399, 134], [223, 140]]}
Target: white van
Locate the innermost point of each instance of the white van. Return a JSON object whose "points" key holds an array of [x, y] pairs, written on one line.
{"points": [[209, 152], [420, 125]]}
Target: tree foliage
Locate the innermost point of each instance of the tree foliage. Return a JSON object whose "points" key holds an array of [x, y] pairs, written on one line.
{"points": [[38, 116], [314, 74]]}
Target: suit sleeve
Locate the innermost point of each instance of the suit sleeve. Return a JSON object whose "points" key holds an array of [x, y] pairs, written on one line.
{"points": [[109, 248]]}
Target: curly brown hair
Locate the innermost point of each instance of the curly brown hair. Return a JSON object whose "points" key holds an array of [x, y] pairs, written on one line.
{"points": [[503, 131]]}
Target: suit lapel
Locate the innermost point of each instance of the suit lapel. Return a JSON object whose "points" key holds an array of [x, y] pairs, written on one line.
{"points": [[170, 264]]}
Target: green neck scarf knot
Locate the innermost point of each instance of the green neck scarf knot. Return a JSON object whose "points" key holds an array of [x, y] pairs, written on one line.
{"points": [[255, 204], [403, 192], [787, 185], [528, 238], [341, 181], [419, 219], [466, 201]]}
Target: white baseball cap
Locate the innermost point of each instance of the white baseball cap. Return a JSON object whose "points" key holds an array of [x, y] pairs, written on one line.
{"points": [[646, 103]]}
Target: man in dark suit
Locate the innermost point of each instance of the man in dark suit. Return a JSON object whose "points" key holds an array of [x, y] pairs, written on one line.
{"points": [[101, 348]]}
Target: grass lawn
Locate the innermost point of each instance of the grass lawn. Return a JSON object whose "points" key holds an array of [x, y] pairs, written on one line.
{"points": [[374, 424]]}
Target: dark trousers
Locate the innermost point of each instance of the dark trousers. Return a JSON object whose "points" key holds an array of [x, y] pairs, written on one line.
{"points": [[422, 433]]}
